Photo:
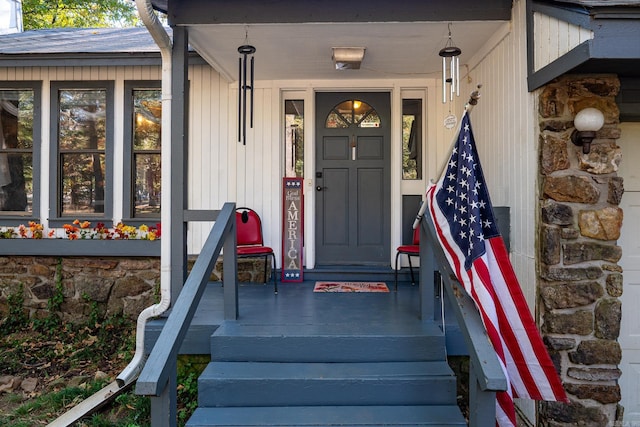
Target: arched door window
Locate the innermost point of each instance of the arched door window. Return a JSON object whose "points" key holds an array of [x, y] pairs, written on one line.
{"points": [[352, 113]]}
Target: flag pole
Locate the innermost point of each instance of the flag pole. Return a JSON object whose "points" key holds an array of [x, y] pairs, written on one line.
{"points": [[473, 101]]}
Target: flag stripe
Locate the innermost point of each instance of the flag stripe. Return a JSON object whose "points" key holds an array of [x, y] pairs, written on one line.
{"points": [[460, 207]]}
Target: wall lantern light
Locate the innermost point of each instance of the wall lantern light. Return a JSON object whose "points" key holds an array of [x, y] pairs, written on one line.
{"points": [[587, 122], [245, 84], [450, 57]]}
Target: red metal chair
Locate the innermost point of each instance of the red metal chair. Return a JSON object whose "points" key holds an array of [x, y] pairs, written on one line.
{"points": [[410, 251], [250, 241]]}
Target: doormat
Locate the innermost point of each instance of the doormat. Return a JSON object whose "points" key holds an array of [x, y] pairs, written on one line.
{"points": [[350, 287]]}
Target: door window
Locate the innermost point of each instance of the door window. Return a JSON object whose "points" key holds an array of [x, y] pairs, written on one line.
{"points": [[352, 113]]}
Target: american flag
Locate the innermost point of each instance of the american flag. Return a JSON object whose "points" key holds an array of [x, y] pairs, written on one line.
{"points": [[462, 214]]}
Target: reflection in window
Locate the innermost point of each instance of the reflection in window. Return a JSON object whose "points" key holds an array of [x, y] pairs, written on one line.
{"points": [[411, 139], [147, 115], [352, 113], [294, 138], [16, 150], [82, 150]]}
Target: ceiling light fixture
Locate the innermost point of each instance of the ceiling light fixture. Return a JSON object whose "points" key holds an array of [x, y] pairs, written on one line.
{"points": [[347, 58], [450, 54]]}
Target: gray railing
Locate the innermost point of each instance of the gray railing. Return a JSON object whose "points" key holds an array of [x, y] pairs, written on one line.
{"points": [[158, 377], [485, 374]]}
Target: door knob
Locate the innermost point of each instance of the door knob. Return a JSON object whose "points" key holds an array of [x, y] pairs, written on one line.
{"points": [[319, 188]]}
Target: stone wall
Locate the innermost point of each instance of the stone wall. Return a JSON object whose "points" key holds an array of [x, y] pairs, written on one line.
{"points": [[116, 284], [580, 281]]}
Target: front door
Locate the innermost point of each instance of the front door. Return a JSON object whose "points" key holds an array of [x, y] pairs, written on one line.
{"points": [[352, 178]]}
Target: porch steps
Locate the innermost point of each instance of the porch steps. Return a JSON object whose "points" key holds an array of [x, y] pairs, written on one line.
{"points": [[327, 374]]}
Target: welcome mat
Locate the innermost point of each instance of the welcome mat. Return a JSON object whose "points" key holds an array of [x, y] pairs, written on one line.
{"points": [[350, 287]]}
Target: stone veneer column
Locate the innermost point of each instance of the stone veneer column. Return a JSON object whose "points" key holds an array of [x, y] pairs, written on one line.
{"points": [[580, 281]]}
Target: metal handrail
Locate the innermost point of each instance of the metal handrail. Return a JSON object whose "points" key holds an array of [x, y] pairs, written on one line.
{"points": [[486, 376], [160, 368]]}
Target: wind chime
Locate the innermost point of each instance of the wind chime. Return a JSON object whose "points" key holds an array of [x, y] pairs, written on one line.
{"points": [[245, 86], [450, 57]]}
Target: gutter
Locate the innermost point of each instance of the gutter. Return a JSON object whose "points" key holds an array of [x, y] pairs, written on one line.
{"points": [[162, 39]]}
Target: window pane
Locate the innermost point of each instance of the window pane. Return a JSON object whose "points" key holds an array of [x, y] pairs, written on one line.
{"points": [[147, 185], [147, 110], [294, 138], [146, 154], [411, 139], [335, 120], [83, 185], [372, 120], [82, 122], [16, 148]]}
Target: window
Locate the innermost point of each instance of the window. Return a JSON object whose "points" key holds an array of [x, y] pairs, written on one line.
{"points": [[82, 138], [143, 112], [19, 149], [353, 113], [294, 138], [412, 139]]}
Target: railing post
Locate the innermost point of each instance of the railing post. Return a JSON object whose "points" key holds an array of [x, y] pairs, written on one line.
{"points": [[428, 268], [482, 404], [164, 407], [230, 273]]}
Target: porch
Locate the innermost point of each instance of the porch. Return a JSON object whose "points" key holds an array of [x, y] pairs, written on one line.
{"points": [[297, 305], [317, 358], [304, 358]]}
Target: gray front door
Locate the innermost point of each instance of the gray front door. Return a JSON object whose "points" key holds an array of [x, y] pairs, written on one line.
{"points": [[352, 178]]}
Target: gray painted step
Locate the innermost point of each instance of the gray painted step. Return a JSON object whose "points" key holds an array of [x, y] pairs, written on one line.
{"points": [[345, 416], [341, 342], [308, 384]]}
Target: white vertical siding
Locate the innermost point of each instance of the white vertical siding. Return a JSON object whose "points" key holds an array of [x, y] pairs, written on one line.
{"points": [[505, 128], [554, 38]]}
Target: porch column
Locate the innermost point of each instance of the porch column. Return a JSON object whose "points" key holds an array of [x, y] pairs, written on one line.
{"points": [[179, 158]]}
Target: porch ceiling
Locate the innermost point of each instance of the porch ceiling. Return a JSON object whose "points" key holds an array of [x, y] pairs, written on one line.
{"points": [[303, 50], [294, 38]]}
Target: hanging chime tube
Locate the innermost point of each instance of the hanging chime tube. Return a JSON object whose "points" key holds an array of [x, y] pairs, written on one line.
{"points": [[457, 76], [252, 58], [244, 100], [452, 79], [239, 99], [444, 80]]}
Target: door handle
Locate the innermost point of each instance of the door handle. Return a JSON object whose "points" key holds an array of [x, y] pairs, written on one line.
{"points": [[320, 188]]}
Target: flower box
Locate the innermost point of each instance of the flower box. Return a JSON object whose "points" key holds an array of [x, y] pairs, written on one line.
{"points": [[80, 247]]}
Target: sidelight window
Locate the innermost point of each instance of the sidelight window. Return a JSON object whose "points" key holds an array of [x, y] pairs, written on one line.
{"points": [[412, 139], [294, 138]]}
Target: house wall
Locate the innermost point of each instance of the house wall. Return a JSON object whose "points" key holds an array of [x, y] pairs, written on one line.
{"points": [[505, 130], [555, 38], [251, 174]]}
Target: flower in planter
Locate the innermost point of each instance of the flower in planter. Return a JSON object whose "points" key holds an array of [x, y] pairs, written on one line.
{"points": [[32, 231], [82, 230]]}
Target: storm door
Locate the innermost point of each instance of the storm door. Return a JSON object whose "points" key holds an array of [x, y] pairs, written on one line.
{"points": [[352, 178]]}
